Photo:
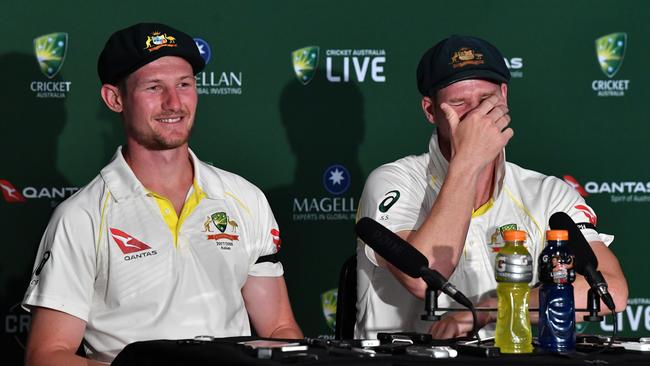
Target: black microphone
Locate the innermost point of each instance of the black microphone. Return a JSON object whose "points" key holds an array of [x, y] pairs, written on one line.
{"points": [[407, 259], [585, 259]]}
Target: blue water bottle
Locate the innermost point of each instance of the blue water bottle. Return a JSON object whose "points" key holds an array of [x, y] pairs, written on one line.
{"points": [[557, 318]]}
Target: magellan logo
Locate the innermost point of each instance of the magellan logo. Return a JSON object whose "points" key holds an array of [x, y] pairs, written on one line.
{"points": [[50, 52], [214, 82], [156, 41], [204, 49], [336, 179], [620, 192], [11, 194], [305, 62], [466, 56], [341, 65], [610, 50]]}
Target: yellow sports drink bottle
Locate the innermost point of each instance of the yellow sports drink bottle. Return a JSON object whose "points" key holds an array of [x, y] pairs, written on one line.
{"points": [[513, 272]]}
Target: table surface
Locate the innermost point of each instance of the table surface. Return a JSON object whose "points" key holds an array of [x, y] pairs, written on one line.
{"points": [[227, 351]]}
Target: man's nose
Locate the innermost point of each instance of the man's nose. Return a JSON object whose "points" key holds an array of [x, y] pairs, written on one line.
{"points": [[172, 101]]}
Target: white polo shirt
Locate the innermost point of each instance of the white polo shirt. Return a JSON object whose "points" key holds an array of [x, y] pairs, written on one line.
{"points": [[400, 195], [110, 257]]}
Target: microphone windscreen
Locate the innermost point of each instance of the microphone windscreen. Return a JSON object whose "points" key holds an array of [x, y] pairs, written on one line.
{"points": [[584, 255], [391, 247]]}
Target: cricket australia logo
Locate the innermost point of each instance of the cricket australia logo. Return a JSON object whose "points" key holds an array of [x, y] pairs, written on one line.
{"points": [[156, 40], [226, 229], [610, 50], [50, 52], [305, 62]]}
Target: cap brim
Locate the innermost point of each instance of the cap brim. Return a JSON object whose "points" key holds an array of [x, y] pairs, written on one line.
{"points": [[470, 74]]}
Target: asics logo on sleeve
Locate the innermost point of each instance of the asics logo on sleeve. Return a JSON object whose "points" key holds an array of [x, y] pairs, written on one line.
{"points": [[127, 243]]}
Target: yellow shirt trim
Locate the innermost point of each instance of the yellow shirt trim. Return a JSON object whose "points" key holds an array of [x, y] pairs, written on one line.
{"points": [[101, 221], [168, 212], [525, 210], [483, 209], [241, 204]]}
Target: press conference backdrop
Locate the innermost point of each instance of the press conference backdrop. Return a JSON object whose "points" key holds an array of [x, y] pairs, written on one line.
{"points": [[306, 98]]}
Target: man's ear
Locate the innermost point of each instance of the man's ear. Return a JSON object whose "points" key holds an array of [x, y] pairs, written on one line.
{"points": [[428, 105], [504, 91], [112, 97]]}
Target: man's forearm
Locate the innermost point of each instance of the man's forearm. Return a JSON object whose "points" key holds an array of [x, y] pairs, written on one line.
{"points": [[59, 358], [289, 331], [441, 238]]}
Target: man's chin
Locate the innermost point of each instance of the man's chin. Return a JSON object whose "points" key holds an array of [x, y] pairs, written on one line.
{"points": [[161, 145]]}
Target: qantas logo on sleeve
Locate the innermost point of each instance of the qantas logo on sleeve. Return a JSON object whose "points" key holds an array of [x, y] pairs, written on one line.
{"points": [[10, 193], [591, 216], [275, 234], [127, 243]]}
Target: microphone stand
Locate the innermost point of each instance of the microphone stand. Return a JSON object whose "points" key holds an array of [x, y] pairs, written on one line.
{"points": [[593, 307], [431, 307]]}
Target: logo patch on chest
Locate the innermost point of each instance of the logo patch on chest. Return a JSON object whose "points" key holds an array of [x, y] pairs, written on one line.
{"points": [[131, 247], [225, 230], [496, 239]]}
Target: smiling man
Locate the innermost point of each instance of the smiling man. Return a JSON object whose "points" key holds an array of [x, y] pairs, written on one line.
{"points": [[159, 244], [453, 202]]}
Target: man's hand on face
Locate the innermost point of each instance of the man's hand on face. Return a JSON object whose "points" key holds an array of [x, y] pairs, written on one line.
{"points": [[482, 133]]}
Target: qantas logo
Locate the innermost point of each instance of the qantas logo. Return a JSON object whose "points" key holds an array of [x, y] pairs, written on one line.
{"points": [[575, 185], [127, 243], [589, 213], [10, 193], [275, 233]]}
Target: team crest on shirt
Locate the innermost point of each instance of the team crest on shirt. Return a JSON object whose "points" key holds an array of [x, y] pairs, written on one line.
{"points": [[496, 239], [221, 229]]}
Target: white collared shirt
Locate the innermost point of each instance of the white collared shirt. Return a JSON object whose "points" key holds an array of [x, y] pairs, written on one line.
{"points": [[400, 195], [108, 257]]}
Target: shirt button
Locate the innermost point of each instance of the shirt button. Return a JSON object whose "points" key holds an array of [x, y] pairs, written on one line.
{"points": [[166, 211]]}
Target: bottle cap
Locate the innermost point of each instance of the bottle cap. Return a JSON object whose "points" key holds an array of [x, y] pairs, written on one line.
{"points": [[514, 235], [557, 235]]}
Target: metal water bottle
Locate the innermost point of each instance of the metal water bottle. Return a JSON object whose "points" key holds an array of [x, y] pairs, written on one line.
{"points": [[514, 270], [557, 318]]}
